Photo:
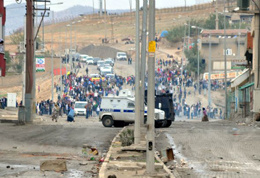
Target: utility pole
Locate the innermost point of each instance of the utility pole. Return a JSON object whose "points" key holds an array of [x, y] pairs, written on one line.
{"points": [[93, 6], [216, 9], [24, 61], [183, 54], [29, 62], [52, 85], [105, 21], [198, 60], [60, 65], [151, 86], [112, 29], [209, 77], [100, 8], [256, 57], [137, 131], [225, 60], [143, 60]]}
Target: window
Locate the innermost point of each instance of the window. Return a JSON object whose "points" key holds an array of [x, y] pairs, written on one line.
{"points": [[131, 105]]}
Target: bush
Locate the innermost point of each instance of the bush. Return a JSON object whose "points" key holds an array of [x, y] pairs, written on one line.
{"points": [[127, 137]]}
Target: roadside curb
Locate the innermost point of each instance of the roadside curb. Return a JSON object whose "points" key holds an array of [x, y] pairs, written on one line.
{"points": [[164, 166], [104, 165]]}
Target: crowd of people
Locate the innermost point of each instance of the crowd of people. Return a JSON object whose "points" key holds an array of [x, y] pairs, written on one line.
{"points": [[168, 79]]}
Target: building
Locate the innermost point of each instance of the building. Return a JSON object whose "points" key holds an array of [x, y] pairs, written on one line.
{"points": [[235, 44]]}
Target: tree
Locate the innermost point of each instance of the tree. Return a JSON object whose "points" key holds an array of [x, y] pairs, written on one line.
{"points": [[192, 56]]}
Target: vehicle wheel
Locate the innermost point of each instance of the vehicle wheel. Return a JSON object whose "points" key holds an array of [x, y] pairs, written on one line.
{"points": [[145, 119], [168, 124], [107, 121], [158, 124], [119, 124]]}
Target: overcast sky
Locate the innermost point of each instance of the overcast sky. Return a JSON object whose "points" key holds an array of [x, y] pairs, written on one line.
{"points": [[115, 4]]}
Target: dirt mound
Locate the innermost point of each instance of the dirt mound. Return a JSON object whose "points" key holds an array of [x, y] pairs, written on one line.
{"points": [[100, 51]]}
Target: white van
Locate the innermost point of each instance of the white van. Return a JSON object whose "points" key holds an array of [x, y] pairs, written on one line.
{"points": [[121, 56], [79, 107], [120, 110], [83, 58]]}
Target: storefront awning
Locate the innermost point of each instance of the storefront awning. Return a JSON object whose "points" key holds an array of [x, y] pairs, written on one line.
{"points": [[246, 85]]}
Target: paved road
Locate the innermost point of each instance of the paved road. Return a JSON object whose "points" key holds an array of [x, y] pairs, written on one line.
{"points": [[214, 149], [23, 147]]}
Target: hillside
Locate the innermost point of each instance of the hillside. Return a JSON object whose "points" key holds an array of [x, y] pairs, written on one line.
{"points": [[90, 29]]}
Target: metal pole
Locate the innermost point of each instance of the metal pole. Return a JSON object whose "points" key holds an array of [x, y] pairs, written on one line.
{"points": [[43, 45], [24, 63], [66, 39], [52, 84], [216, 14], [100, 7], [183, 54], [151, 103], [198, 60], [60, 66], [105, 21], [209, 68], [189, 35], [225, 60], [93, 7], [70, 57], [29, 62], [143, 60], [137, 131]]}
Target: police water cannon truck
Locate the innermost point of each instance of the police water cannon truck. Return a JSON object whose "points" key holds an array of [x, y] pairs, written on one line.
{"points": [[119, 111]]}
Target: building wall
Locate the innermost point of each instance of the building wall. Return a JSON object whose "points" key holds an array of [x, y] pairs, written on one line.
{"points": [[235, 51]]}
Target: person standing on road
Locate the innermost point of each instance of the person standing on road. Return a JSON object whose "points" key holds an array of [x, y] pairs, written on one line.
{"points": [[71, 115], [55, 113], [205, 116]]}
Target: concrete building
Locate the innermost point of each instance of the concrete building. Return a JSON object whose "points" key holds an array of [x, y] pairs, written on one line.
{"points": [[235, 40]]}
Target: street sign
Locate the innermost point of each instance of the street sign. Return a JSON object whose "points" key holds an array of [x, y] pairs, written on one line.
{"points": [[152, 47], [40, 64]]}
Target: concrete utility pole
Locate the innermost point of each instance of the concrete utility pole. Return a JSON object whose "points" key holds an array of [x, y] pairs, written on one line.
{"points": [[24, 62], [137, 131], [256, 58], [183, 52], [52, 84], [143, 61], [60, 65], [151, 86], [209, 77], [216, 9], [29, 62], [105, 21], [225, 60], [198, 59], [100, 7]]}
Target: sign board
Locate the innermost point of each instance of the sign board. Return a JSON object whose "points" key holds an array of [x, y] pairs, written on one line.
{"points": [[220, 76], [152, 47], [11, 99], [40, 64], [151, 54]]}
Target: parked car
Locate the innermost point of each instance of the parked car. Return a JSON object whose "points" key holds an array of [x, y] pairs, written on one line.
{"points": [[83, 58], [109, 61], [90, 60], [121, 56], [99, 64], [106, 70], [80, 107], [95, 60]]}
